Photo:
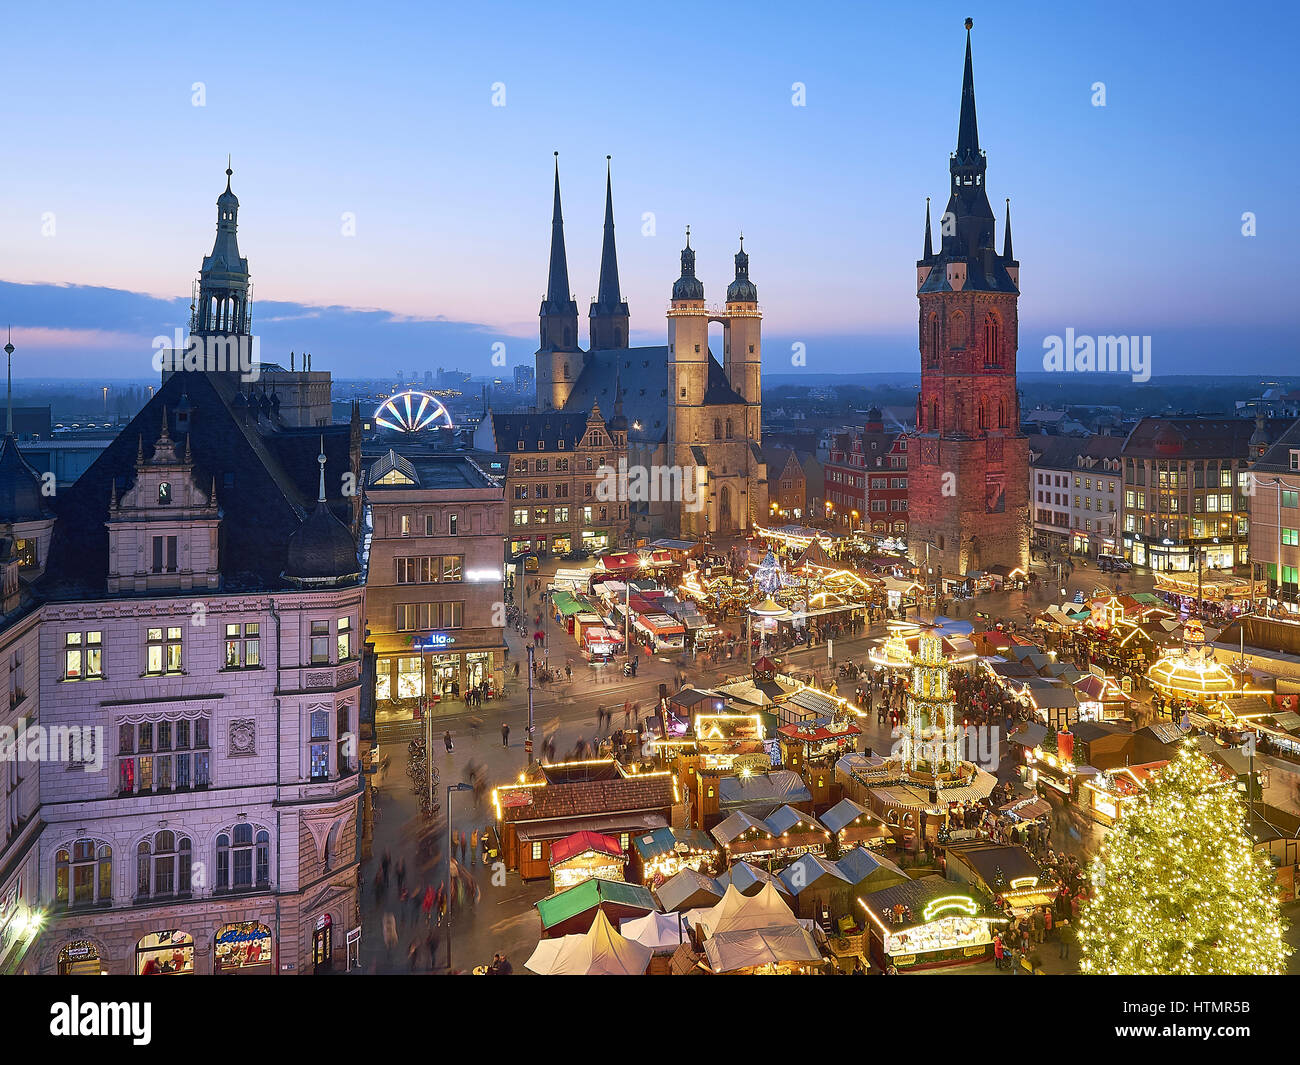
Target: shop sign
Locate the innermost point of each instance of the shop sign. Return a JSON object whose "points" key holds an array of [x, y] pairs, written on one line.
{"points": [[433, 641]]}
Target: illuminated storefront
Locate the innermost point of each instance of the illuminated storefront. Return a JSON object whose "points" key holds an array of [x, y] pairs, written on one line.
{"points": [[243, 948], [929, 922], [165, 954]]}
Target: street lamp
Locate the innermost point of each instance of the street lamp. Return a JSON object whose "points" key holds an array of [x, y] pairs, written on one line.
{"points": [[451, 789]]}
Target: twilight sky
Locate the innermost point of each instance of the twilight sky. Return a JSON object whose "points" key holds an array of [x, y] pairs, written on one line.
{"points": [[1127, 217]]}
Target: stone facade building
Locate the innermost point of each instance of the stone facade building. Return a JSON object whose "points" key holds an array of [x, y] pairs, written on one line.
{"points": [[688, 412], [435, 589], [1075, 493], [193, 636], [968, 478], [1186, 490], [553, 467], [1274, 506]]}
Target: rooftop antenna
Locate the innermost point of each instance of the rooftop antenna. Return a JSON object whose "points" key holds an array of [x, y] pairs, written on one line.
{"points": [[9, 393]]}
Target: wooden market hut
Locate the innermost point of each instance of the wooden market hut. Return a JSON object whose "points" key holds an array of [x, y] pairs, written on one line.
{"points": [[1005, 870], [574, 909], [584, 855], [817, 889], [932, 921], [687, 890], [853, 825], [662, 852]]}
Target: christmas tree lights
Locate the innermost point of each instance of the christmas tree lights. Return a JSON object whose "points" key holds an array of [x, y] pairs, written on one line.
{"points": [[1178, 888]]}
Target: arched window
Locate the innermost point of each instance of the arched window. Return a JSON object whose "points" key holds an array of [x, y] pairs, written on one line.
{"points": [[984, 414], [243, 862], [992, 341], [728, 428], [934, 340], [1002, 414], [83, 875], [934, 416], [163, 866], [717, 429]]}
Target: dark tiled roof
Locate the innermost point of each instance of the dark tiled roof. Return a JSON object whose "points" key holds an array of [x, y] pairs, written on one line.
{"points": [[20, 486], [594, 797], [543, 431], [1063, 452], [643, 375], [1196, 438], [274, 487], [1277, 459]]}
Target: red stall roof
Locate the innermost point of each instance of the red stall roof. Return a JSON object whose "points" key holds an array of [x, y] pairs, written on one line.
{"points": [[584, 842]]}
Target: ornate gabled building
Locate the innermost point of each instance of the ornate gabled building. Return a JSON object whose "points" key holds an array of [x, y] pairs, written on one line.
{"points": [[968, 470], [194, 631], [690, 414]]}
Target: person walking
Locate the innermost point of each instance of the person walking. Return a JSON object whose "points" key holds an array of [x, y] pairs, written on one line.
{"points": [[446, 741], [473, 848], [999, 951], [1064, 935], [505, 734]]}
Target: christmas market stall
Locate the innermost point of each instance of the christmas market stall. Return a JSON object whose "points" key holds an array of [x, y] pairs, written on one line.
{"points": [[748, 879], [853, 825], [928, 922], [664, 852], [757, 935], [583, 855], [688, 889], [1005, 871], [575, 908]]}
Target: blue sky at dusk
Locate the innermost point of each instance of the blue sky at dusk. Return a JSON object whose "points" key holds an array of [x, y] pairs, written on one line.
{"points": [[1127, 218]]}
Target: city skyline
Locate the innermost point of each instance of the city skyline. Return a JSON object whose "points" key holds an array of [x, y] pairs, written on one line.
{"points": [[449, 251]]}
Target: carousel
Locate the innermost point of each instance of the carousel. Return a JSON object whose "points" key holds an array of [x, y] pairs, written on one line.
{"points": [[810, 586], [1192, 672]]}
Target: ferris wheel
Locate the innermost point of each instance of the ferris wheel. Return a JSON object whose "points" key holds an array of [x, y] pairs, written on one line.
{"points": [[412, 412]]}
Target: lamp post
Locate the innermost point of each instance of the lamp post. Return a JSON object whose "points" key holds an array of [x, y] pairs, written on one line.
{"points": [[451, 790]]}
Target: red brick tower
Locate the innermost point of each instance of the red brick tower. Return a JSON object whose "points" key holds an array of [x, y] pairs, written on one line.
{"points": [[968, 483]]}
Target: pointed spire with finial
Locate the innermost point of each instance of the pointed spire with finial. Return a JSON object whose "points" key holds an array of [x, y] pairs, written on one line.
{"points": [[1006, 235], [968, 134], [557, 282], [688, 286], [929, 240], [189, 455], [321, 459], [229, 172], [608, 293]]}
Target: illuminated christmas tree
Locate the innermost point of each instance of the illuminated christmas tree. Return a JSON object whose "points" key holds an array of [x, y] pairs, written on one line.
{"points": [[1178, 888], [769, 576]]}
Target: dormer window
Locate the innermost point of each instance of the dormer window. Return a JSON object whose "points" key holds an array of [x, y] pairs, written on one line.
{"points": [[164, 493]]}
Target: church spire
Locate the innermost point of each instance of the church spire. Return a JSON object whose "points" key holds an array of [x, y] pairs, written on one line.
{"points": [[608, 294], [608, 316], [559, 313], [929, 241], [1006, 235], [557, 282], [968, 134]]}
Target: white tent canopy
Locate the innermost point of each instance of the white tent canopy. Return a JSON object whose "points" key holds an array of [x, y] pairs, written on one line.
{"points": [[658, 931], [600, 951]]}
